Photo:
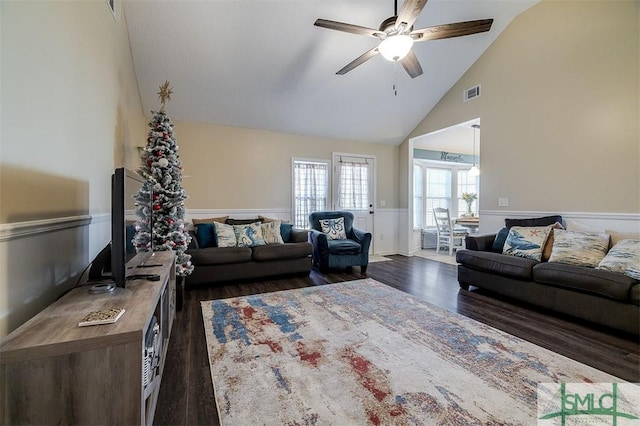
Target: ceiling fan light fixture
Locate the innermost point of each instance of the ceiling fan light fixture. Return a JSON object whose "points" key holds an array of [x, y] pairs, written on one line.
{"points": [[394, 48]]}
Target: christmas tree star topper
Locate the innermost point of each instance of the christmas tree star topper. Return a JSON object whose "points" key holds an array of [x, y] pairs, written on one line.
{"points": [[165, 93]]}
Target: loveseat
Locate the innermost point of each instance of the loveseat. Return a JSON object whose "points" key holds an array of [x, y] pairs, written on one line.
{"points": [[601, 295], [248, 259]]}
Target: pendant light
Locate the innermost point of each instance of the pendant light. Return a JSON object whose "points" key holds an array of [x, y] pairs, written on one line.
{"points": [[474, 170]]}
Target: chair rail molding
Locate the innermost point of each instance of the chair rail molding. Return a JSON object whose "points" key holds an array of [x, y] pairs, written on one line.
{"points": [[9, 231]]}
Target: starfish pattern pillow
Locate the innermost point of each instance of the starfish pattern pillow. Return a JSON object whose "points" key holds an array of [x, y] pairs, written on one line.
{"points": [[526, 241]]}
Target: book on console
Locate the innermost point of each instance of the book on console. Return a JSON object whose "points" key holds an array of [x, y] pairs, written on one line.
{"points": [[103, 316]]}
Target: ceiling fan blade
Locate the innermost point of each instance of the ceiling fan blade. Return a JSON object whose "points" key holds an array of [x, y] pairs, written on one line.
{"points": [[411, 65], [359, 61], [348, 28], [452, 30], [409, 12]]}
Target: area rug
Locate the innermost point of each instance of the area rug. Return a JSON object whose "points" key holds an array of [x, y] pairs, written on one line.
{"points": [[442, 257], [361, 352]]}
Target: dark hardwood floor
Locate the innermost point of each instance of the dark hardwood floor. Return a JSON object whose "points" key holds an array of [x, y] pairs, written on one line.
{"points": [[186, 393]]}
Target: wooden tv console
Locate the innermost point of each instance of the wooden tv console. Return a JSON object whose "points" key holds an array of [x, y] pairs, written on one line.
{"points": [[54, 372]]}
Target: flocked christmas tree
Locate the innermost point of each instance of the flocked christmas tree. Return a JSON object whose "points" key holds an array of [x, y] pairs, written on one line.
{"points": [[160, 202]]}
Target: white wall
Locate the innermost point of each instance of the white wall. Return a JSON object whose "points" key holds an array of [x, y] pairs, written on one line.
{"points": [[559, 112], [70, 113]]}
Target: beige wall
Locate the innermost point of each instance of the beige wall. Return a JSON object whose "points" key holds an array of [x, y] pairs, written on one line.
{"points": [[234, 168], [70, 114], [559, 110]]}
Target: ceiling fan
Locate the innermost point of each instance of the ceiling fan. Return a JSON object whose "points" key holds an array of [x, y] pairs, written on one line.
{"points": [[396, 35]]}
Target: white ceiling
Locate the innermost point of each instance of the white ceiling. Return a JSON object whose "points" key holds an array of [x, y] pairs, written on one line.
{"points": [[458, 139], [262, 64]]}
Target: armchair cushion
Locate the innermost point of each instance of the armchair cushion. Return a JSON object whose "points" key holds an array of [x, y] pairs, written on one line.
{"points": [[334, 228], [344, 247]]}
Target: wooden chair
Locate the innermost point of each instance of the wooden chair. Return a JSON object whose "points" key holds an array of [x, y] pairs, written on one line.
{"points": [[447, 234]]}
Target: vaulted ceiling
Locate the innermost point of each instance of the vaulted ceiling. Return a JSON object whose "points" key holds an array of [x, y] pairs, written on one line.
{"points": [[264, 65]]}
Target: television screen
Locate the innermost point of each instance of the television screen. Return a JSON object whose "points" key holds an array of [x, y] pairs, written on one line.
{"points": [[126, 186]]}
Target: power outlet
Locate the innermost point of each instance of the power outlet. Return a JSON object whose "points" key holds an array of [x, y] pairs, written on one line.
{"points": [[503, 202]]}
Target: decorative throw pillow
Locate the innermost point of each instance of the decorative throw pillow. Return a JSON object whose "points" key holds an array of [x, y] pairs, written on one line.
{"points": [[334, 228], [210, 220], [206, 235], [249, 235], [579, 248], [285, 231], [548, 246], [617, 236], [526, 241], [501, 237], [271, 232], [624, 257], [226, 235]]}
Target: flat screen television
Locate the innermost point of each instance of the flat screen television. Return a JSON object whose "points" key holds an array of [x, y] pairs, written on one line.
{"points": [[110, 265], [125, 185]]}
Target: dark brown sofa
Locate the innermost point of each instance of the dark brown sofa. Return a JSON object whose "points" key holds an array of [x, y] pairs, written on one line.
{"points": [[601, 297], [223, 264]]}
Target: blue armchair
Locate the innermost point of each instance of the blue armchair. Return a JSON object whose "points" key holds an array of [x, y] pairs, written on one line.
{"points": [[339, 253]]}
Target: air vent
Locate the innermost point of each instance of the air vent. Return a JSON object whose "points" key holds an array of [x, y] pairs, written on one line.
{"points": [[471, 93]]}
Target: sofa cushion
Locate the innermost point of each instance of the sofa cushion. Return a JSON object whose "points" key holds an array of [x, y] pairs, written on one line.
{"points": [[624, 257], [282, 251], [206, 235], [220, 255], [249, 235], [285, 231], [344, 247], [537, 221], [634, 294], [579, 248], [509, 266], [210, 220], [501, 237], [271, 232], [526, 241], [226, 235], [548, 246], [241, 221], [334, 228], [588, 280]]}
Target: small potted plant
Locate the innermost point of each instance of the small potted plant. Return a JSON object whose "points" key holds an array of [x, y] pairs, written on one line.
{"points": [[469, 198]]}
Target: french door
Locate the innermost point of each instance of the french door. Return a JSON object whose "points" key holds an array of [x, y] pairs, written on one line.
{"points": [[354, 189]]}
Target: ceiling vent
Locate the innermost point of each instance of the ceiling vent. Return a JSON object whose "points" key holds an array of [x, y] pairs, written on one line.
{"points": [[472, 93]]}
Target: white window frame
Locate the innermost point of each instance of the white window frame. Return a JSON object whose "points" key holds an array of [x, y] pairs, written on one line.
{"points": [[295, 160], [455, 197]]}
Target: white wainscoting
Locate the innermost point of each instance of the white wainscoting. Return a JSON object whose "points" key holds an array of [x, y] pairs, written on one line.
{"points": [[42, 259], [493, 220], [386, 229]]}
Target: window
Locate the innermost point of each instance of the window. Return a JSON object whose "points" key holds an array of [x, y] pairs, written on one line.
{"points": [[353, 185], [441, 185], [467, 184], [310, 189], [438, 191], [418, 207]]}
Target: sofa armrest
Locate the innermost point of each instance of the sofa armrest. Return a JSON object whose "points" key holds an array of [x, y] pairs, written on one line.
{"points": [[480, 242], [299, 235], [363, 238], [193, 244]]}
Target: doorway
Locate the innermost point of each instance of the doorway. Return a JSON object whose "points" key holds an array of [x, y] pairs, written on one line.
{"points": [[354, 189]]}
